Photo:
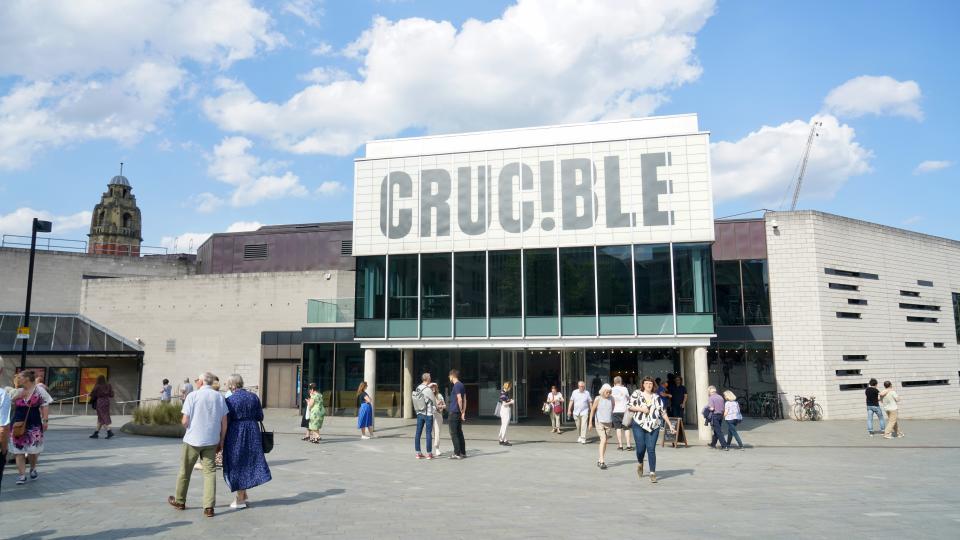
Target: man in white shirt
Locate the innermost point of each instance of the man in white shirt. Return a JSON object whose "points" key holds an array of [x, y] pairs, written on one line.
{"points": [[205, 417], [426, 407], [579, 409], [621, 397]]}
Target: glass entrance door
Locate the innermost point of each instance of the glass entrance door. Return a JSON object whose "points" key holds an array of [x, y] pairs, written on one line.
{"points": [[513, 364]]}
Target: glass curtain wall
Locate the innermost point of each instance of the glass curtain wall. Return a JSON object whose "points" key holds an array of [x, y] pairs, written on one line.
{"points": [[729, 294], [577, 296], [693, 286], [540, 291], [743, 293], [652, 277], [956, 314], [402, 307], [388, 398], [347, 377], [747, 369], [505, 293], [470, 293], [370, 302], [756, 292], [318, 369], [435, 288], [614, 290]]}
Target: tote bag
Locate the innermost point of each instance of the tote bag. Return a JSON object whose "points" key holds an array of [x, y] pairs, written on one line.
{"points": [[266, 438]]}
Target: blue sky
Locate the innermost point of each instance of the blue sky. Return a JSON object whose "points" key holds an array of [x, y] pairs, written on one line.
{"points": [[233, 113]]}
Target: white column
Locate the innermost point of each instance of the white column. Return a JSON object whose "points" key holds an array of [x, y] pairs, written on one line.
{"points": [[370, 372], [701, 373], [407, 383]]}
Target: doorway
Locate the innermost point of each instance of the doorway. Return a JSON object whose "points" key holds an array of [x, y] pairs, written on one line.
{"points": [[280, 385], [543, 371]]}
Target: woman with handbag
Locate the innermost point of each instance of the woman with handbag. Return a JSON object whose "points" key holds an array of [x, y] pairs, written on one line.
{"points": [[100, 398], [505, 408], [29, 424], [555, 400], [244, 462], [317, 412], [648, 417], [437, 418]]}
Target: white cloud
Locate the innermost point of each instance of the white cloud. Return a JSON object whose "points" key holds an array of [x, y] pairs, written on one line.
{"points": [[323, 49], [879, 96], [205, 203], [322, 75], [542, 61], [253, 180], [330, 187], [763, 164], [184, 243], [20, 221], [244, 226], [309, 11], [87, 69], [930, 166], [912, 220]]}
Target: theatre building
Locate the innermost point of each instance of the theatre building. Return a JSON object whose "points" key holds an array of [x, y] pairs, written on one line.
{"points": [[540, 256]]}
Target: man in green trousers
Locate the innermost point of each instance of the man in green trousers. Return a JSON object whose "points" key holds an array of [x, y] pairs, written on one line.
{"points": [[205, 417]]}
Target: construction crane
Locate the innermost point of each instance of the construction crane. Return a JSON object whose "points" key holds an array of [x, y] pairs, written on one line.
{"points": [[803, 164]]}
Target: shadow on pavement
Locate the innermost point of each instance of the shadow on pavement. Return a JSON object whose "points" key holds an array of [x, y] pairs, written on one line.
{"points": [[297, 499], [112, 533], [100, 476]]}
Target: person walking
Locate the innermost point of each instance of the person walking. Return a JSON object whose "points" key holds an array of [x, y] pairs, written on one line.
{"points": [[185, 389], [873, 407], [715, 406], [28, 424], [166, 392], [425, 405], [601, 415], [891, 405], [649, 416], [621, 396], [733, 417], [364, 412], [101, 395], [244, 462], [458, 414], [505, 412], [6, 401], [205, 417], [437, 419], [664, 392], [579, 409], [678, 403], [555, 400], [316, 412]]}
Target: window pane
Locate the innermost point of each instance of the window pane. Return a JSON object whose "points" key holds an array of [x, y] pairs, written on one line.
{"points": [[370, 287], [435, 285], [652, 267], [576, 278], [387, 401], [956, 314], [692, 278], [470, 284], [540, 282], [349, 375], [729, 308], [318, 369], [505, 288], [613, 280], [403, 287], [756, 292]]}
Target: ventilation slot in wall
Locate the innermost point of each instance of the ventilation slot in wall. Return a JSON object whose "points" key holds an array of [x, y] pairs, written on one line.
{"points": [[847, 315], [914, 294], [854, 386], [253, 252], [847, 372], [346, 248], [171, 345], [848, 273], [856, 301], [854, 358], [924, 283], [914, 344], [922, 319], [843, 287], [938, 345], [924, 307], [931, 382]]}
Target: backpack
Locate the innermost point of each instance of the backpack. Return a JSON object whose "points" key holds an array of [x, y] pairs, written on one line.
{"points": [[419, 401]]}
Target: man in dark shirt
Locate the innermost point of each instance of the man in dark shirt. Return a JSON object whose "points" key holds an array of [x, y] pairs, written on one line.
{"points": [[679, 401], [457, 405], [873, 407]]}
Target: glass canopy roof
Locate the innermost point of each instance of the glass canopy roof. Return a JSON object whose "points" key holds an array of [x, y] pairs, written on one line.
{"points": [[53, 333]]}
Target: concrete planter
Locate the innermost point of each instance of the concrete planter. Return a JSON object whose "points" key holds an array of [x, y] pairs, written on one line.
{"points": [[150, 430]]}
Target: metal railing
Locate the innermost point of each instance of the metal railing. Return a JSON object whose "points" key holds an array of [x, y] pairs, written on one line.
{"points": [[73, 404], [75, 400], [45, 243]]}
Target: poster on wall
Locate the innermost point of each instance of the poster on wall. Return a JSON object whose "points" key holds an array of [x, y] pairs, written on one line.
{"points": [[88, 378], [40, 372], [62, 382]]}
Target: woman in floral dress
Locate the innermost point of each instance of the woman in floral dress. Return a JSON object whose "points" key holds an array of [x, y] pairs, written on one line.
{"points": [[317, 413], [244, 463], [30, 408], [101, 395]]}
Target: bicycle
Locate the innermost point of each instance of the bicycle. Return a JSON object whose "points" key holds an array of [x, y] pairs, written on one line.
{"points": [[806, 408], [773, 406]]}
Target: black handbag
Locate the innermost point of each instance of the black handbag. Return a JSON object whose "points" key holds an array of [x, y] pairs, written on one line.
{"points": [[266, 439]]}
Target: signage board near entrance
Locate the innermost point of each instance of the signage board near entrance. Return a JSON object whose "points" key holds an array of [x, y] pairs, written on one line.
{"points": [[23, 332], [677, 436]]}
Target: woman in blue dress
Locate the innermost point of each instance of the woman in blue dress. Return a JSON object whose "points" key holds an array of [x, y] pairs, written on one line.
{"points": [[364, 412], [244, 463]]}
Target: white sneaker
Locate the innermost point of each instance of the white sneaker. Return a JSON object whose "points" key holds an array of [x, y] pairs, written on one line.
{"points": [[437, 453], [237, 505], [364, 437]]}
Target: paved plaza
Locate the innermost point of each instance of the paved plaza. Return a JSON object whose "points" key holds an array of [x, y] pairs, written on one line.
{"points": [[810, 480]]}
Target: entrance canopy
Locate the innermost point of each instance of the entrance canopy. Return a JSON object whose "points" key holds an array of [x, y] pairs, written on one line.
{"points": [[62, 334]]}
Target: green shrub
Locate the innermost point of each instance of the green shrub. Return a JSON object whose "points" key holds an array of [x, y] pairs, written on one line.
{"points": [[161, 414]]}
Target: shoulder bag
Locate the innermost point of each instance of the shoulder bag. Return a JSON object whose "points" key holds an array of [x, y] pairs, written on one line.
{"points": [[266, 439], [20, 428]]}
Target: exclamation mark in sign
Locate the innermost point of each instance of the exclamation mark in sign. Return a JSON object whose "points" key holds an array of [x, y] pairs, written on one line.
{"points": [[546, 195]]}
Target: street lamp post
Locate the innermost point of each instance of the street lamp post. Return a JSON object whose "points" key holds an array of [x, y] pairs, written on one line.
{"points": [[38, 226]]}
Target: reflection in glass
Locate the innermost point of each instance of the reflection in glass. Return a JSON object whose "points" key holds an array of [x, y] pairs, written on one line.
{"points": [[614, 292], [576, 281], [388, 400], [470, 284], [756, 292], [693, 279], [729, 306], [370, 287], [540, 282], [652, 268], [318, 369], [348, 376], [504, 280], [435, 285], [403, 287]]}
